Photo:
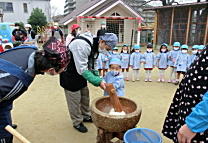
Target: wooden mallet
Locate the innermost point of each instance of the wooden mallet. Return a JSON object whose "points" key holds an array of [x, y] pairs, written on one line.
{"points": [[113, 97], [16, 134]]}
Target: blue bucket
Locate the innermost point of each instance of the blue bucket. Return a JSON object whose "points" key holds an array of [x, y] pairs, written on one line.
{"points": [[142, 135]]}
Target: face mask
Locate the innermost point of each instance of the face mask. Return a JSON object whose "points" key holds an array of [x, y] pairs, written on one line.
{"points": [[115, 52], [54, 73], [137, 51], [103, 26], [149, 50], [163, 50], [194, 52], [55, 27], [104, 51], [175, 49], [114, 73], [16, 27], [27, 29], [124, 51], [184, 51]]}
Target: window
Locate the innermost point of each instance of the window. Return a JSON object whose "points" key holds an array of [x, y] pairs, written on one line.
{"points": [[25, 7], [6, 6], [115, 14]]}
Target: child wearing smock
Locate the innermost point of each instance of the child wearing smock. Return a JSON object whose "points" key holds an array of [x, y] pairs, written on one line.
{"points": [[136, 59], [114, 76], [106, 58], [100, 64], [162, 61], [125, 58], [194, 53], [149, 62], [115, 54], [182, 62], [172, 56]]}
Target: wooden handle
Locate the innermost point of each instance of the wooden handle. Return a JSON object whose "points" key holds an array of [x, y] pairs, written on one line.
{"points": [[16, 134], [113, 97]]}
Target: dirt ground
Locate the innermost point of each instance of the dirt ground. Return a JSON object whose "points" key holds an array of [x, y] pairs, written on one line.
{"points": [[42, 116]]}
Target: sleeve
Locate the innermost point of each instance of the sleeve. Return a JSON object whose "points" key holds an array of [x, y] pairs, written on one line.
{"points": [[120, 57], [188, 61], [33, 35], [13, 32], [154, 59], [158, 56], [61, 33], [142, 58], [197, 121], [131, 59], [24, 32], [98, 33], [104, 58], [117, 84]]}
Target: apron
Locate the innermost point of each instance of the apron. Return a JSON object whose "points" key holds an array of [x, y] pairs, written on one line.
{"points": [[29, 38], [188, 95], [57, 35]]}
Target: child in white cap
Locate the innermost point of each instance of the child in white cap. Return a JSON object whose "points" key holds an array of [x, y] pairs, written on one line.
{"points": [[114, 76]]}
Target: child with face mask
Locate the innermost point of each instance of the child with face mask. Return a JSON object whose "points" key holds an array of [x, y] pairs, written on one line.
{"points": [[136, 59], [125, 58], [114, 76], [172, 56], [162, 61], [194, 53], [149, 62], [200, 48], [115, 54], [182, 62]]}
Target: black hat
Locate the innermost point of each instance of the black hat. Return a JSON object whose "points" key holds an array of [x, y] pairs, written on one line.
{"points": [[149, 45], [16, 24]]}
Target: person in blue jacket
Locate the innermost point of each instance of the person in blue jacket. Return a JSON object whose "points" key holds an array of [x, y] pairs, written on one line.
{"points": [[114, 76], [125, 58], [194, 53], [149, 62], [115, 54], [187, 118], [162, 61], [172, 57], [18, 72], [136, 59], [182, 62]]}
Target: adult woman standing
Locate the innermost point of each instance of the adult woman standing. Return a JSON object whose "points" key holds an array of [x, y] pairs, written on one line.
{"points": [[32, 37], [18, 72]]}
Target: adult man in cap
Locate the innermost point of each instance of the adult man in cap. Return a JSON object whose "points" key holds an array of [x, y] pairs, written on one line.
{"points": [[57, 33], [16, 31], [79, 71], [18, 72]]}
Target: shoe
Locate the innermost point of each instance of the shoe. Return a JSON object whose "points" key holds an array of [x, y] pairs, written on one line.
{"points": [[81, 128], [169, 81], [88, 119], [133, 80], [150, 80], [137, 79], [173, 81], [146, 80], [14, 126], [176, 83], [127, 79], [158, 80], [163, 80]]}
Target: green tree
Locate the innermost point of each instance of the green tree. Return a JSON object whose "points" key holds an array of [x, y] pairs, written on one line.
{"points": [[37, 18]]}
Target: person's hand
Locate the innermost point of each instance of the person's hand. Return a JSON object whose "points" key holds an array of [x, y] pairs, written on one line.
{"points": [[167, 66], [102, 85], [169, 57], [131, 66], [144, 62], [141, 62], [175, 67], [185, 135], [154, 66]]}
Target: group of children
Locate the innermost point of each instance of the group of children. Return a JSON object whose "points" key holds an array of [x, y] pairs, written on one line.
{"points": [[178, 59]]}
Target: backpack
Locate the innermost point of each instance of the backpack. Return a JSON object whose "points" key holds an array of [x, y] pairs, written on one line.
{"points": [[94, 47]]}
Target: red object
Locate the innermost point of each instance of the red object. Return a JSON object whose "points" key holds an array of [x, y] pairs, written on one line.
{"points": [[5, 40], [1, 48], [74, 26], [148, 69]]}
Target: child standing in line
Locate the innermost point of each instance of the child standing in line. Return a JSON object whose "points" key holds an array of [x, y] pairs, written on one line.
{"points": [[115, 54], [136, 59], [114, 76], [125, 58], [105, 59], [172, 57], [162, 61], [194, 53], [149, 62], [100, 65], [182, 62]]}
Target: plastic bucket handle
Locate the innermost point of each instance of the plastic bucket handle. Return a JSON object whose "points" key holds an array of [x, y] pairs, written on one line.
{"points": [[145, 135]]}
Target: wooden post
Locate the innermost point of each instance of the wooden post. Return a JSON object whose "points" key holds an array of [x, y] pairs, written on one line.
{"points": [[171, 27], [187, 32], [206, 29], [155, 27]]}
